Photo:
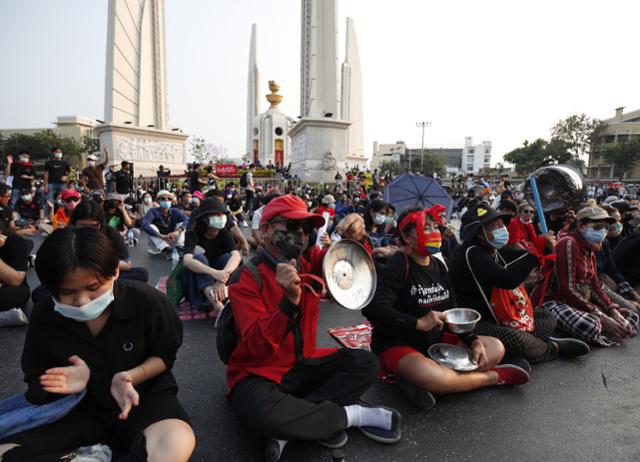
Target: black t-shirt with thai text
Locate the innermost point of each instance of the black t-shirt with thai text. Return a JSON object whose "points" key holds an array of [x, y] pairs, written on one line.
{"points": [[405, 292]]}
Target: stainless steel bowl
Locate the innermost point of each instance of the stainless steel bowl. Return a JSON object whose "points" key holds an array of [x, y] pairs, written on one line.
{"points": [[462, 320]]}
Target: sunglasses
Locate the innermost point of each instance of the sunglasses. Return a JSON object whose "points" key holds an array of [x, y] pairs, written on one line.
{"points": [[72, 199], [599, 226], [293, 226], [527, 212]]}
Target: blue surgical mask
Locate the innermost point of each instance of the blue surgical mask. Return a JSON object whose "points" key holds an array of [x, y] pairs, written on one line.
{"points": [[218, 221], [86, 312], [165, 204], [500, 237], [380, 219], [594, 237]]}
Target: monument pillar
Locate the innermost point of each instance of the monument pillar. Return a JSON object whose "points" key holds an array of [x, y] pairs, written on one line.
{"points": [[135, 127]]}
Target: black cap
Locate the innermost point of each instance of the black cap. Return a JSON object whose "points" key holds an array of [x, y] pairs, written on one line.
{"points": [[208, 207], [475, 217]]}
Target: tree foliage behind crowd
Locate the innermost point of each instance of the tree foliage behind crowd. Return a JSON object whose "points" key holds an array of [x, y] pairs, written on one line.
{"points": [[531, 156], [624, 155], [580, 133], [39, 146]]}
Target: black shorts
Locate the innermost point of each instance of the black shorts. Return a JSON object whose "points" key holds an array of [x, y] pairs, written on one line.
{"points": [[67, 434]]}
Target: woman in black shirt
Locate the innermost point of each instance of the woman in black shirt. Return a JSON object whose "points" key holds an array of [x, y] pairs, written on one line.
{"points": [[205, 276], [406, 315], [116, 341]]}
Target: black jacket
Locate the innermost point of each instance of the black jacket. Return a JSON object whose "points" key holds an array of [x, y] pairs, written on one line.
{"points": [[507, 269], [143, 323]]}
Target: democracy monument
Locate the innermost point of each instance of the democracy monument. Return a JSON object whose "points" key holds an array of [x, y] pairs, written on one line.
{"points": [[135, 107]]}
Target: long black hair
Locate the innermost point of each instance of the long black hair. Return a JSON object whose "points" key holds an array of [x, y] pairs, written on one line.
{"points": [[68, 249], [89, 210], [378, 206]]}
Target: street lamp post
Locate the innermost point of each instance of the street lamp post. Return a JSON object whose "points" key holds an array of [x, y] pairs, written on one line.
{"points": [[423, 125]]}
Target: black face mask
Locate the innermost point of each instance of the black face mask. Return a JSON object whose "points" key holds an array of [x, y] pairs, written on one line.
{"points": [[290, 245]]}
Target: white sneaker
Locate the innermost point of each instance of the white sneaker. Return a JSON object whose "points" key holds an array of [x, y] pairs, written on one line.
{"points": [[13, 317], [154, 251]]}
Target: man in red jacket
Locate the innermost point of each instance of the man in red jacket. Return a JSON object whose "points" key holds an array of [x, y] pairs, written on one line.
{"points": [[282, 386]]}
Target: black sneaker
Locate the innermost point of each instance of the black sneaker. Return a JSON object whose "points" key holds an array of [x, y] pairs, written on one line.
{"points": [[417, 396], [337, 441], [570, 347], [180, 250], [272, 451], [381, 435]]}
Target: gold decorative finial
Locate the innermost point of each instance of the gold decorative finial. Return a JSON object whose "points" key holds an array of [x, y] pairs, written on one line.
{"points": [[274, 98]]}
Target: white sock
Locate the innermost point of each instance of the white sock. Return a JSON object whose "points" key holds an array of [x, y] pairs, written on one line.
{"points": [[361, 416], [281, 443]]}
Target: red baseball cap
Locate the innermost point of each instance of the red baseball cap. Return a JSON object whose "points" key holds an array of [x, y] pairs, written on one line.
{"points": [[290, 207], [69, 193]]}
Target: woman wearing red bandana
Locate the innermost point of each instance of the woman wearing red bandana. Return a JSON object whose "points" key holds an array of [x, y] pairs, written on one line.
{"points": [[406, 314]]}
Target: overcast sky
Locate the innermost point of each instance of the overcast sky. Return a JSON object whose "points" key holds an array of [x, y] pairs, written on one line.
{"points": [[502, 71]]}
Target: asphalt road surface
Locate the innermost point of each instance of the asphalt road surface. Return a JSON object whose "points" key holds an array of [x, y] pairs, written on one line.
{"points": [[582, 410]]}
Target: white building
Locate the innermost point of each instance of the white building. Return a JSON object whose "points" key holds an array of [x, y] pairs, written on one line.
{"points": [[475, 157], [270, 132], [387, 153]]}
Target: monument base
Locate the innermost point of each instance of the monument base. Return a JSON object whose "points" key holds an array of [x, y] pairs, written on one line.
{"points": [[147, 148], [319, 146]]}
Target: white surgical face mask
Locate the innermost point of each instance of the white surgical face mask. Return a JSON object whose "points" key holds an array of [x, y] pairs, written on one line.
{"points": [[88, 311], [58, 155], [91, 163], [218, 221], [147, 200], [24, 158]]}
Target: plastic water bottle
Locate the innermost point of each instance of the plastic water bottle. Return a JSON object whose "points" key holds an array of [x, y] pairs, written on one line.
{"points": [[174, 258]]}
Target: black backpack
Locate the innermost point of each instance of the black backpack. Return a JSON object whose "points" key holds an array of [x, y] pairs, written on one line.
{"points": [[243, 180], [227, 337]]}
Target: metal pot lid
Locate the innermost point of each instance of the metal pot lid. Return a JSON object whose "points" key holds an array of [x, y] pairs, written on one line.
{"points": [[452, 356], [350, 274]]}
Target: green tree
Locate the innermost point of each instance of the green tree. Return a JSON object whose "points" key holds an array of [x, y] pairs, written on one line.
{"points": [[531, 156], [432, 162], [391, 167], [39, 146], [580, 133], [199, 149], [623, 155]]}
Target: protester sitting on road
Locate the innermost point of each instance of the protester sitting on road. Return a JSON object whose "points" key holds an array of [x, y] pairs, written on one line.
{"points": [[375, 219], [587, 312], [282, 386], [14, 290], [70, 199], [29, 213], [241, 241], [205, 276], [487, 276], [255, 240], [165, 226], [112, 342], [626, 256], [407, 317], [184, 203], [521, 229], [146, 205], [90, 214], [328, 205], [10, 219], [613, 282]]}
